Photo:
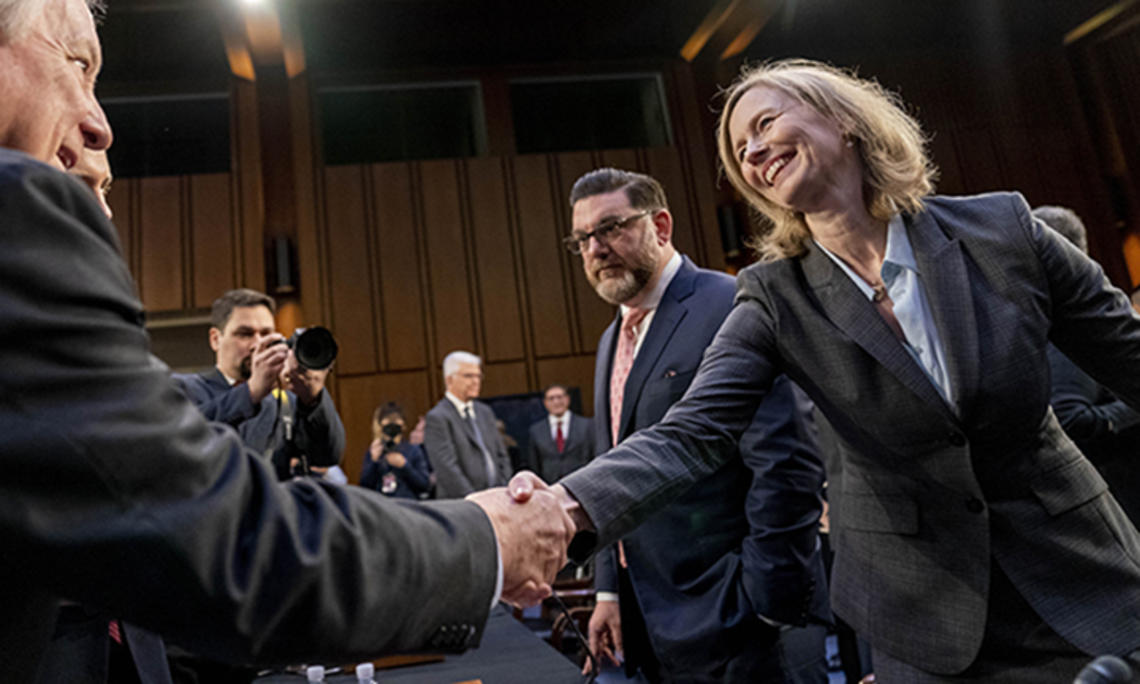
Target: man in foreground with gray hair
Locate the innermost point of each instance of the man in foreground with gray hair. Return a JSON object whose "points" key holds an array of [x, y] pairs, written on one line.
{"points": [[460, 435], [119, 496]]}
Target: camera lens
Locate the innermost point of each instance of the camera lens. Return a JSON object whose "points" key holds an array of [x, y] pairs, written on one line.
{"points": [[314, 347]]}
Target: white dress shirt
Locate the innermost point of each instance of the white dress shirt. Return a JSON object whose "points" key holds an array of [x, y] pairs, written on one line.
{"points": [[564, 419], [653, 299], [903, 281]]}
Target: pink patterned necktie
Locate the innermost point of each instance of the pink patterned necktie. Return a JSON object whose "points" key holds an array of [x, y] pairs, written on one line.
{"points": [[623, 362]]}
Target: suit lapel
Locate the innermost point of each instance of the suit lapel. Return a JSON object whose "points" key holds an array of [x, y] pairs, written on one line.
{"points": [[214, 377], [464, 424], [670, 311], [602, 382], [544, 435], [853, 313], [942, 270]]}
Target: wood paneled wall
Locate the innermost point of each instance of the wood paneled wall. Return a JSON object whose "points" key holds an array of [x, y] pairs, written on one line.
{"points": [[182, 239], [424, 258]]}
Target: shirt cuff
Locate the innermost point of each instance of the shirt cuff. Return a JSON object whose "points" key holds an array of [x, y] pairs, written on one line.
{"points": [[770, 622], [606, 596]]}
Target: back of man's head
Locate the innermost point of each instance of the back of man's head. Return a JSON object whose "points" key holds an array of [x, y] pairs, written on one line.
{"points": [[1066, 222], [224, 306], [643, 192]]}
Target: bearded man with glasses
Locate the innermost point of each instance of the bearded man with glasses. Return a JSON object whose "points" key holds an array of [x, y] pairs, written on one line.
{"points": [[698, 592]]}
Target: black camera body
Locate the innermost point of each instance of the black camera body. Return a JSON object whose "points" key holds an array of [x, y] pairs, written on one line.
{"points": [[391, 431]]}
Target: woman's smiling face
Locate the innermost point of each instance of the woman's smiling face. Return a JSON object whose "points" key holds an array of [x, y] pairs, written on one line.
{"points": [[787, 151]]}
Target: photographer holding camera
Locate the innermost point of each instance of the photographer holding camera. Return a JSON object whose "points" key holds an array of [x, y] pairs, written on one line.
{"points": [[271, 390], [392, 466]]}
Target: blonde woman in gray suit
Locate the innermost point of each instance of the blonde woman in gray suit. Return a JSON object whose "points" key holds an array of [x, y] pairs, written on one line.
{"points": [[974, 541]]}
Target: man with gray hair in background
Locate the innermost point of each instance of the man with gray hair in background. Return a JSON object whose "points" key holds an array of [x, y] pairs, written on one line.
{"points": [[460, 435], [118, 495]]}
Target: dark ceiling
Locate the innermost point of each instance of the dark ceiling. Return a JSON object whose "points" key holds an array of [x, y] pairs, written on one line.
{"points": [[156, 45]]}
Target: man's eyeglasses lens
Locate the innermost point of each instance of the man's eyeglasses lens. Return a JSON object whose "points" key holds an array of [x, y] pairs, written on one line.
{"points": [[578, 242]]}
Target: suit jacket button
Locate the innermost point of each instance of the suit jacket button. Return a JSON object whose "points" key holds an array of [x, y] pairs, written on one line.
{"points": [[957, 439], [975, 505]]}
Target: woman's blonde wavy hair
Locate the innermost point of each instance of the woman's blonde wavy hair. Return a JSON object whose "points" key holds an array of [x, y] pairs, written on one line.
{"points": [[898, 173]]}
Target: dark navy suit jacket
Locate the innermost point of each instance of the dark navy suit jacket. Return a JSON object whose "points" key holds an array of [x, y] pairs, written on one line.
{"points": [[80, 649], [412, 480], [743, 542], [1104, 428], [318, 431]]}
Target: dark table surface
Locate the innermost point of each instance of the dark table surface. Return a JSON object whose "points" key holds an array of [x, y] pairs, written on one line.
{"points": [[509, 654]]}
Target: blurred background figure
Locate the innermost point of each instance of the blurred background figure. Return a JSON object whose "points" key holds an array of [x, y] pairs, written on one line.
{"points": [[512, 445], [393, 466], [563, 441], [466, 450], [1104, 427]]}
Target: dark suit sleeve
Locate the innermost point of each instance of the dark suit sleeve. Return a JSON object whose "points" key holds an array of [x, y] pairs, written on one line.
{"points": [[1084, 410], [1093, 323], [440, 446], [320, 431], [782, 571], [605, 569], [232, 407], [119, 495], [623, 487]]}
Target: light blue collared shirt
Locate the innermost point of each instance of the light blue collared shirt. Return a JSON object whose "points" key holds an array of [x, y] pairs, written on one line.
{"points": [[912, 309]]}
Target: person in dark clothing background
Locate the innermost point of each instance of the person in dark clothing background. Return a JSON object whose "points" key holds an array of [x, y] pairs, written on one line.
{"points": [[393, 466], [1103, 426]]}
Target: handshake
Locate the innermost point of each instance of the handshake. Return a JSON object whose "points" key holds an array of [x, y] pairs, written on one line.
{"points": [[534, 524]]}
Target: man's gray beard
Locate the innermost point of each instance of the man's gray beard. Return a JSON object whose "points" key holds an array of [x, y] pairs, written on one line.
{"points": [[617, 290]]}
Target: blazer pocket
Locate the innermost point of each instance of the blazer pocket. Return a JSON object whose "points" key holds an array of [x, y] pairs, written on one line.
{"points": [[1063, 489], [893, 513], [672, 384]]}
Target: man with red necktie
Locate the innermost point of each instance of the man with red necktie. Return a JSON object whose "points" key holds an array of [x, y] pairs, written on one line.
{"points": [[563, 441]]}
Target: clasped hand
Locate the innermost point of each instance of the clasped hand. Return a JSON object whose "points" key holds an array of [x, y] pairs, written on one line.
{"points": [[534, 527]]}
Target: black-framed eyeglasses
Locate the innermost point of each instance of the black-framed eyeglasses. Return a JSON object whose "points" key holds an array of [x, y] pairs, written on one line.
{"points": [[606, 231]]}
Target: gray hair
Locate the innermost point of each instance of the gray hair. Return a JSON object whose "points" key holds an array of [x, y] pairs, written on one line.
{"points": [[451, 362], [1066, 222], [16, 15]]}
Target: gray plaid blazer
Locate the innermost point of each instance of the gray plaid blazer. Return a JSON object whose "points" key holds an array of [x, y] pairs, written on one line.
{"points": [[925, 495]]}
